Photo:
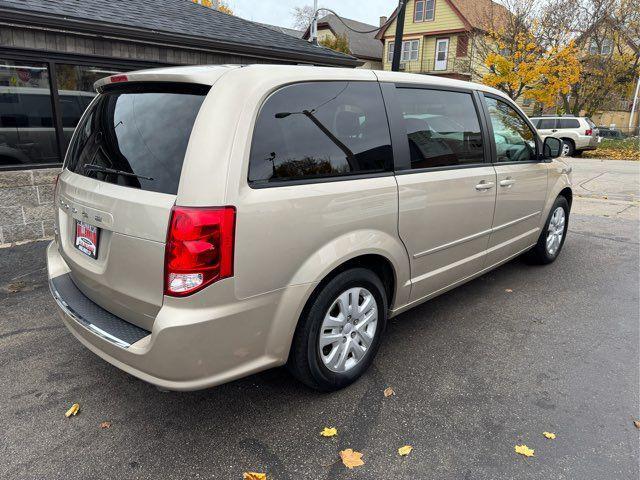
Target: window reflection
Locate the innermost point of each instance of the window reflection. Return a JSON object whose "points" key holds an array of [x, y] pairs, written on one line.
{"points": [[321, 129], [442, 127], [515, 141], [75, 92], [27, 132]]}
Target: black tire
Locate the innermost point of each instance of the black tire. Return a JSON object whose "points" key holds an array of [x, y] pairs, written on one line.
{"points": [[539, 254], [305, 362], [568, 148]]}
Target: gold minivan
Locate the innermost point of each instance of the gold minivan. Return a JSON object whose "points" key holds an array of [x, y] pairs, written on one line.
{"points": [[213, 222]]}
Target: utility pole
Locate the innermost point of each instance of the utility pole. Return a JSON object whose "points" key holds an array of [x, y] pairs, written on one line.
{"points": [[397, 44], [633, 106], [314, 23]]}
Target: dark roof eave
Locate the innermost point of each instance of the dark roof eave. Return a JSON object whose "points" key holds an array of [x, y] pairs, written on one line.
{"points": [[100, 28]]}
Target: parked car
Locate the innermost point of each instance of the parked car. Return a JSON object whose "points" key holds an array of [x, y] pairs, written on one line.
{"points": [[213, 222], [577, 133], [608, 132]]}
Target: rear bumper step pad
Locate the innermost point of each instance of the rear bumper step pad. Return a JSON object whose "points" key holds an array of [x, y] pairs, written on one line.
{"points": [[92, 316]]}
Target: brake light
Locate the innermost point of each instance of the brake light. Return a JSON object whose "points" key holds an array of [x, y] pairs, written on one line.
{"points": [[118, 78], [588, 132], [199, 249]]}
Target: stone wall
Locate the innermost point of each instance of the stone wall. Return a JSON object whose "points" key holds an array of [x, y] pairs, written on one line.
{"points": [[26, 204]]}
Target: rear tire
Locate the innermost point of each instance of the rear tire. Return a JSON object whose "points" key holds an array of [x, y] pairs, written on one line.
{"points": [[553, 234], [350, 345]]}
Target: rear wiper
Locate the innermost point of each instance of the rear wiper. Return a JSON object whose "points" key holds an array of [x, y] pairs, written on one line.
{"points": [[100, 168]]}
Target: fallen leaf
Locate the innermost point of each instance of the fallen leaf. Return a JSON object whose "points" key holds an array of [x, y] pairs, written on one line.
{"points": [[104, 425], [254, 476], [329, 432], [508, 290], [75, 408], [404, 451], [351, 459], [549, 435], [637, 423], [388, 392], [524, 450]]}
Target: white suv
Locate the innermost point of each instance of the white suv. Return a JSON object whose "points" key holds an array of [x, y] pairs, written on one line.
{"points": [[577, 133]]}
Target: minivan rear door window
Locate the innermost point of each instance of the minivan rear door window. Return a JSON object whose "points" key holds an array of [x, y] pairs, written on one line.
{"points": [[321, 129], [136, 135]]}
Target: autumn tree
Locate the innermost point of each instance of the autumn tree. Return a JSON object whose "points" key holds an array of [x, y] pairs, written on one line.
{"points": [[610, 60], [339, 43], [217, 5], [523, 59]]}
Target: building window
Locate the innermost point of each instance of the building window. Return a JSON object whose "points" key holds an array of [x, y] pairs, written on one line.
{"points": [[424, 10], [27, 129], [605, 48], [409, 53], [462, 46], [75, 92]]}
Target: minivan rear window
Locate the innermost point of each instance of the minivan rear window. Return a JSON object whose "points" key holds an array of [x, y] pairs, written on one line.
{"points": [[140, 130]]}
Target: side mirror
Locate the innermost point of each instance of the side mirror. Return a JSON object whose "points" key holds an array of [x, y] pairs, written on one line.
{"points": [[551, 148]]}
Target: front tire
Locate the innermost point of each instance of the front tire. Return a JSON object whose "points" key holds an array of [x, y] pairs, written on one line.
{"points": [[568, 148], [553, 234], [339, 333]]}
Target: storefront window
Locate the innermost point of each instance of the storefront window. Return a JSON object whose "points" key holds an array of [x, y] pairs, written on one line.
{"points": [[27, 129], [75, 92]]}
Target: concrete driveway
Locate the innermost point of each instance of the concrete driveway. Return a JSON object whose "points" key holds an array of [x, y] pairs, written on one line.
{"points": [[476, 371]]}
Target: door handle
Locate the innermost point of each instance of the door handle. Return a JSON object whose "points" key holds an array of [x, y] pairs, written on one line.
{"points": [[507, 182], [554, 130], [483, 185]]}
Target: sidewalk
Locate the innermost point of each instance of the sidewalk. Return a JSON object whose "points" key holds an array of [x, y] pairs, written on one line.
{"points": [[608, 188]]}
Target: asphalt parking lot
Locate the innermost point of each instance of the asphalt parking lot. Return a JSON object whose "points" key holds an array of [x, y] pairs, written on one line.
{"points": [[476, 371]]}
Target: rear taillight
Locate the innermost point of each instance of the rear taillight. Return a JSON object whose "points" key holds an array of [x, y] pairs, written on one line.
{"points": [[588, 132], [199, 248]]}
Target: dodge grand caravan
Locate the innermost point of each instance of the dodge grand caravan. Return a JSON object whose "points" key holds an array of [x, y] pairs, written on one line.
{"points": [[212, 222]]}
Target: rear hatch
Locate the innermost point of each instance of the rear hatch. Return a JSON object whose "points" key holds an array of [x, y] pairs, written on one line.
{"points": [[117, 189]]}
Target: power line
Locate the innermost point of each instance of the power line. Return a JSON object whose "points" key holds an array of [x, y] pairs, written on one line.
{"points": [[353, 29]]}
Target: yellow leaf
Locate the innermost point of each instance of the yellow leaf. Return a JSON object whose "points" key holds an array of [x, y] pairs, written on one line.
{"points": [[549, 435], [254, 476], [104, 425], [388, 392], [508, 290], [404, 451], [329, 432], [637, 423], [351, 459], [75, 408], [524, 450]]}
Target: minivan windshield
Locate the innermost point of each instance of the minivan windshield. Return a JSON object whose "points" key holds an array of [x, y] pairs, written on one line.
{"points": [[136, 135]]}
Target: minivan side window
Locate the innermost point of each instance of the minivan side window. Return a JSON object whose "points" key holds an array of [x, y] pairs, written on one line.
{"points": [[442, 127], [515, 141], [320, 129]]}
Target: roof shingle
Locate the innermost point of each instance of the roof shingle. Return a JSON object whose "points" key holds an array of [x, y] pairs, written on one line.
{"points": [[177, 17]]}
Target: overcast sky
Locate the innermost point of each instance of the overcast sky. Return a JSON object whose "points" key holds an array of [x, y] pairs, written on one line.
{"points": [[278, 12]]}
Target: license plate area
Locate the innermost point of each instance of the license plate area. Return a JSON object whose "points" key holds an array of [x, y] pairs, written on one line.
{"points": [[87, 238]]}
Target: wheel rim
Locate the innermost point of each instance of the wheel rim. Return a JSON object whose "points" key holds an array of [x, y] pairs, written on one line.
{"points": [[555, 231], [348, 329], [565, 149]]}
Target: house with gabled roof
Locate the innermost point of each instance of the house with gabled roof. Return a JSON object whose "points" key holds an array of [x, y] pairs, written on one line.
{"points": [[438, 36]]}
